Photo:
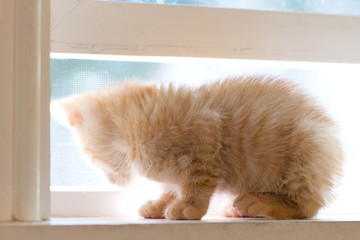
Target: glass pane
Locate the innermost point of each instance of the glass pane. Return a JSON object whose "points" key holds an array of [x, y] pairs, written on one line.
{"points": [[336, 86], [340, 7]]}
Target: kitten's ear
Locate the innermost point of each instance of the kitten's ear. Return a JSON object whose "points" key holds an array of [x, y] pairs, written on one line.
{"points": [[67, 111]]}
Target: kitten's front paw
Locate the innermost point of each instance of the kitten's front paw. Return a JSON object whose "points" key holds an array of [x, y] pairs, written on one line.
{"points": [[229, 211], [151, 210], [182, 211]]}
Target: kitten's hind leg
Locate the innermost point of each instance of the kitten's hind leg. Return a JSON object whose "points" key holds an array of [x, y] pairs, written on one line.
{"points": [[268, 205], [156, 209]]}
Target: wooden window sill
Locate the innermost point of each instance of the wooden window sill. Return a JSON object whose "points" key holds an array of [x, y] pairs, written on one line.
{"points": [[329, 227]]}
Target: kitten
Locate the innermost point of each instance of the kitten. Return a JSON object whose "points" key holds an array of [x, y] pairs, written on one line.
{"points": [[262, 140]]}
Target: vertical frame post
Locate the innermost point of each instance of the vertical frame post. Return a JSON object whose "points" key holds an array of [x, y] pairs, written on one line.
{"points": [[24, 105], [31, 131], [6, 106]]}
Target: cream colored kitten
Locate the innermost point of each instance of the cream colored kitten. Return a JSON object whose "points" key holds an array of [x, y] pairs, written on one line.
{"points": [[259, 139]]}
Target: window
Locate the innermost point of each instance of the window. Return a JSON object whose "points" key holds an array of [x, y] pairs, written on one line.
{"points": [[147, 30], [216, 36], [71, 76]]}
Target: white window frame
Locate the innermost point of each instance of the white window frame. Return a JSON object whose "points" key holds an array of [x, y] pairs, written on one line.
{"points": [[187, 31], [24, 122], [153, 30], [141, 30]]}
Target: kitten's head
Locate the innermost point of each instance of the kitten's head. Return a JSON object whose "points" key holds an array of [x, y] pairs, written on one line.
{"points": [[93, 120]]}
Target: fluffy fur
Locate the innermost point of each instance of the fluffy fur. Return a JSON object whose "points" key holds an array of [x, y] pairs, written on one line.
{"points": [[259, 139]]}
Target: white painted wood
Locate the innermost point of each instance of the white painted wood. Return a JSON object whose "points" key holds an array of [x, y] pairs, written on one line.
{"points": [[31, 63], [84, 201], [115, 202], [6, 107], [61, 8], [98, 27], [27, 75], [211, 229], [24, 104], [44, 111]]}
